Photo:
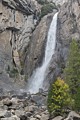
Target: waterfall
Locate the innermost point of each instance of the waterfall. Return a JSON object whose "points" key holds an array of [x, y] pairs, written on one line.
{"points": [[38, 76]]}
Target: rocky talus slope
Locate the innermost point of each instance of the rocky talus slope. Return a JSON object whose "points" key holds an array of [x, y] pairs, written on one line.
{"points": [[29, 107]]}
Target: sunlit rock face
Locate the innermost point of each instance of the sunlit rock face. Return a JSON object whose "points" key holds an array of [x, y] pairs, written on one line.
{"points": [[59, 2]]}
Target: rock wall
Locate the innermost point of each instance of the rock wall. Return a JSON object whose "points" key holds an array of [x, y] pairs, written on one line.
{"points": [[36, 49], [59, 2], [68, 28], [17, 22], [22, 41]]}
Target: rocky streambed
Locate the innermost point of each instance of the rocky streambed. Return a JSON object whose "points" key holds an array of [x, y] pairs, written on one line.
{"points": [[23, 106]]}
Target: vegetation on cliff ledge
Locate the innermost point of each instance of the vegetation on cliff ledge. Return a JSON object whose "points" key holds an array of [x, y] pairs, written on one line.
{"points": [[47, 8], [42, 1]]}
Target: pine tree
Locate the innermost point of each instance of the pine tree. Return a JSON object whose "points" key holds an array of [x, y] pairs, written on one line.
{"points": [[77, 100], [72, 72]]}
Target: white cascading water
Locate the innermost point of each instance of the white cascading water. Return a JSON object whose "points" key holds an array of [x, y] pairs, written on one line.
{"points": [[36, 80]]}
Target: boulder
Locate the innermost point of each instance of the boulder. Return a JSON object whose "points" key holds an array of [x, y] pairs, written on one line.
{"points": [[23, 117], [38, 117], [14, 101], [7, 102], [58, 118], [28, 114], [32, 118], [73, 116], [31, 108], [7, 114], [44, 117], [19, 113], [11, 118], [4, 113]]}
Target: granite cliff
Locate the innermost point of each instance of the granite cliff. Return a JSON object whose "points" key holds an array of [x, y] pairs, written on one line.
{"points": [[68, 28], [17, 22], [20, 25], [23, 36]]}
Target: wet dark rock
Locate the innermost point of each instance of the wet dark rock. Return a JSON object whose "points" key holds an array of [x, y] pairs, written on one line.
{"points": [[29, 114], [23, 117], [39, 99]]}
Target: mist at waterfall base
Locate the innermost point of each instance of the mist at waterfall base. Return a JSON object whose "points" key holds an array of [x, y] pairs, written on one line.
{"points": [[38, 76]]}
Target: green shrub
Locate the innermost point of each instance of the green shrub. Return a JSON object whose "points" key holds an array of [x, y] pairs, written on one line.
{"points": [[42, 2], [13, 72], [59, 98], [47, 8]]}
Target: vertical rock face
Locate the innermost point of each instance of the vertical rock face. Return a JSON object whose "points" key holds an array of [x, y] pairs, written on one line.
{"points": [[35, 54], [16, 25], [61, 2], [68, 28], [21, 42]]}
